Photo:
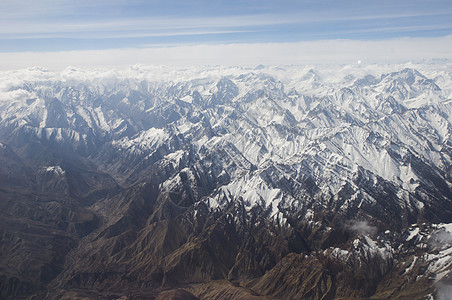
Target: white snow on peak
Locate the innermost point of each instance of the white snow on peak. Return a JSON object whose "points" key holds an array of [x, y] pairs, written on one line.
{"points": [[148, 140], [54, 169], [413, 233], [330, 122]]}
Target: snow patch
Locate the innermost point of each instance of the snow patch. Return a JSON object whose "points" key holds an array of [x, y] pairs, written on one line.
{"points": [[54, 169]]}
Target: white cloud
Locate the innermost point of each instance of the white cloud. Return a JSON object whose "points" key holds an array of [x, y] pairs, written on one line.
{"points": [[312, 52], [361, 227]]}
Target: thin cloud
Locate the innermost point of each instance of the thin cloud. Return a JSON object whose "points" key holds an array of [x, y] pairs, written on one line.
{"points": [[27, 26], [119, 35], [168, 22], [157, 26], [414, 28]]}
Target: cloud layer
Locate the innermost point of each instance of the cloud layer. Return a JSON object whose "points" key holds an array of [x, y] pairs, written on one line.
{"points": [[312, 52]]}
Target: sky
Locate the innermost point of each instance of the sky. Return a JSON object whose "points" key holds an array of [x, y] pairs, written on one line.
{"points": [[55, 33]]}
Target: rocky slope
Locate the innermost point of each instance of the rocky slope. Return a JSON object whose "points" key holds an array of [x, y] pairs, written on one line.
{"points": [[277, 183]]}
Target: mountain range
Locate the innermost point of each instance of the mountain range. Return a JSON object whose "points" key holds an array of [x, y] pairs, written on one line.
{"points": [[288, 182]]}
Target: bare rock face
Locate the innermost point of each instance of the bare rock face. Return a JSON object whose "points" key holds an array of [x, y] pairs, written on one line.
{"points": [[178, 294], [296, 277], [240, 187]]}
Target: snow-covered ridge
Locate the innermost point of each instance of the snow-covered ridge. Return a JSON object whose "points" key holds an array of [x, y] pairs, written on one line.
{"points": [[322, 129], [290, 75]]}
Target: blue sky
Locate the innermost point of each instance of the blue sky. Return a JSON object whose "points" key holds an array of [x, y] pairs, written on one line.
{"points": [[59, 25], [43, 26]]}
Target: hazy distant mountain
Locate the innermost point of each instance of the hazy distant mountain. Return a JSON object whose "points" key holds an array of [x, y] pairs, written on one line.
{"points": [[226, 183]]}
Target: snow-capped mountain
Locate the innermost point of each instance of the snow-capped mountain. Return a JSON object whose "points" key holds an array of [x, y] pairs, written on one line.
{"points": [[291, 182]]}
